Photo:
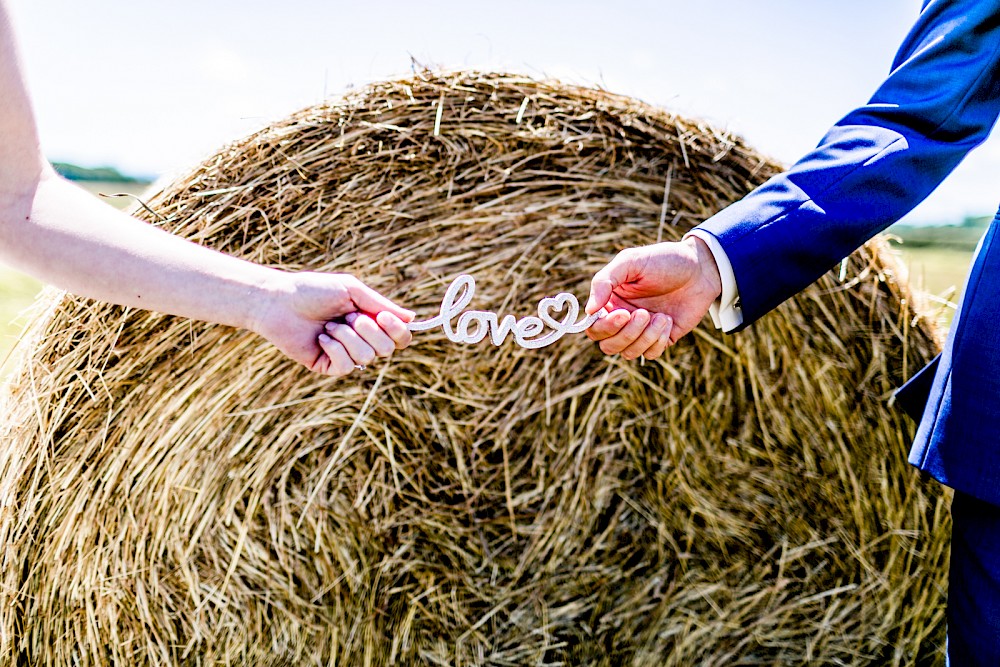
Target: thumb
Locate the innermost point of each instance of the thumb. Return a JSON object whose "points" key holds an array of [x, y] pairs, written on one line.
{"points": [[600, 294], [370, 301], [604, 283]]}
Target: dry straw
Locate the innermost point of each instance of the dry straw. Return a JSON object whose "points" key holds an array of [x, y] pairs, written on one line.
{"points": [[179, 493]]}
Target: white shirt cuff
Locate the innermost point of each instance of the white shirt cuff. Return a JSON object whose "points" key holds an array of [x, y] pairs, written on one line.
{"points": [[726, 312]]}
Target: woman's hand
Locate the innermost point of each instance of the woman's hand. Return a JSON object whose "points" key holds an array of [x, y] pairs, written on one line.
{"points": [[331, 323]]}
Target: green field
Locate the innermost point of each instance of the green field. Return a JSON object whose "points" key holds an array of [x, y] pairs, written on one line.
{"points": [[17, 292], [938, 272]]}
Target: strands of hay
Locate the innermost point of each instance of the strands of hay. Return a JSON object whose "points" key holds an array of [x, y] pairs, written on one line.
{"points": [[179, 493]]}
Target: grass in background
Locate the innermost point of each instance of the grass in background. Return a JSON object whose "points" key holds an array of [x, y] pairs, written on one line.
{"points": [[17, 292], [938, 258], [938, 272]]}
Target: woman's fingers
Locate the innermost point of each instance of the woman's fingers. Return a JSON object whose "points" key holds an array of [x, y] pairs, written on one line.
{"points": [[360, 350], [395, 328], [371, 333], [360, 339], [339, 361]]}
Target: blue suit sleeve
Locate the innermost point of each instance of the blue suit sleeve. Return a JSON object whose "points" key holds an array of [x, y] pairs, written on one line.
{"points": [[940, 100]]}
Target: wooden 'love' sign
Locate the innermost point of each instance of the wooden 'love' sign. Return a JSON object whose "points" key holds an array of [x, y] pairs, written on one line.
{"points": [[473, 326]]}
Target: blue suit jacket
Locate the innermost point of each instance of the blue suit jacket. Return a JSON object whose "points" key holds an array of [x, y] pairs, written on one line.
{"points": [[940, 100]]}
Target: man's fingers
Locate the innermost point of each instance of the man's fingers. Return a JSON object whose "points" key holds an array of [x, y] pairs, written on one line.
{"points": [[661, 344], [628, 334], [340, 361], [609, 325], [396, 329], [370, 301], [658, 323]]}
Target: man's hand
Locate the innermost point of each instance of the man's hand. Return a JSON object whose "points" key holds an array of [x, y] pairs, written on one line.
{"points": [[654, 294], [331, 323]]}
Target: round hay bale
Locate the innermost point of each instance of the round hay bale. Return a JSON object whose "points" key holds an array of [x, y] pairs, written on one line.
{"points": [[180, 493]]}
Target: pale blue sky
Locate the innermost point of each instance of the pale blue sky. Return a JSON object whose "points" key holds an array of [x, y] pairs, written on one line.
{"points": [[154, 87]]}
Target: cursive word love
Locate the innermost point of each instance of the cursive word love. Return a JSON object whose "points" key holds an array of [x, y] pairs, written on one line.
{"points": [[473, 326]]}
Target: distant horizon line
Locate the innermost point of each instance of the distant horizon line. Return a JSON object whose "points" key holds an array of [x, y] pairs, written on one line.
{"points": [[75, 171]]}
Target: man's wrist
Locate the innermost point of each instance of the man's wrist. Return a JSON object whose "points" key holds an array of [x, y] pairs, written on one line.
{"points": [[711, 279], [726, 312]]}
